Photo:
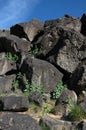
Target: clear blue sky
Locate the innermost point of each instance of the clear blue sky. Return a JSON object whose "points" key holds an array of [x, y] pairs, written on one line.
{"points": [[16, 11]]}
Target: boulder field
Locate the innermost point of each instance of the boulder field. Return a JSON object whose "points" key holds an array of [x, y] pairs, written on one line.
{"points": [[35, 54]]}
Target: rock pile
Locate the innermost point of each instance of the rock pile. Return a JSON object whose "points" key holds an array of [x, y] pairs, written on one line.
{"points": [[41, 54]]}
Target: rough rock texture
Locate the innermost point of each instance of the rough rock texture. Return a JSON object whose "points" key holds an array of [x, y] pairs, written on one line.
{"points": [[64, 47], [14, 121], [71, 52], [11, 43], [67, 21], [36, 97], [41, 72], [83, 103], [77, 81], [56, 124], [14, 103], [28, 30], [6, 83]]}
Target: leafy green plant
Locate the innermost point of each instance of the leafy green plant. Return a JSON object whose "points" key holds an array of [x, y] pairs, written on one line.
{"points": [[34, 51], [45, 109], [11, 57], [76, 113], [44, 127], [32, 88], [19, 75], [58, 90], [15, 84], [69, 102], [27, 90]]}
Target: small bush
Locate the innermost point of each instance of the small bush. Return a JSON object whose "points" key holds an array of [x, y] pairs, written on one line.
{"points": [[11, 57], [76, 113], [33, 88], [45, 109], [44, 127], [15, 84], [34, 51], [59, 89]]}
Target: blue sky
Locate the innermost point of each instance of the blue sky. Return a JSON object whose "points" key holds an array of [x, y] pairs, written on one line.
{"points": [[16, 11]]}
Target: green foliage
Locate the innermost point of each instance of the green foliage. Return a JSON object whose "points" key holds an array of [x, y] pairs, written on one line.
{"points": [[34, 51], [15, 84], [58, 90], [44, 127], [69, 102], [45, 109], [19, 75], [11, 57], [32, 88], [76, 113]]}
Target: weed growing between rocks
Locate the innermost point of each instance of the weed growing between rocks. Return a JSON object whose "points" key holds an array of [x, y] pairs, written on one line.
{"points": [[11, 57], [34, 52], [58, 90], [76, 113], [15, 84], [32, 88], [45, 109], [44, 127]]}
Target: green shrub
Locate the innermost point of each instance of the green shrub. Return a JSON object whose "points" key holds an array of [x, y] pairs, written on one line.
{"points": [[45, 109], [19, 75], [44, 127], [76, 113], [11, 57], [34, 51], [32, 88], [58, 90], [15, 84]]}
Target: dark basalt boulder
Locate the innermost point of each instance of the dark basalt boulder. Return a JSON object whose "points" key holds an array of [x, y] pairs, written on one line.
{"points": [[77, 80], [63, 47], [83, 27], [14, 103], [50, 43], [56, 124], [13, 44], [41, 72], [36, 98], [71, 52], [67, 21], [14, 121], [27, 30]]}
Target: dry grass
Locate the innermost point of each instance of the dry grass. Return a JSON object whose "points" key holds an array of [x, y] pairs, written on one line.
{"points": [[36, 112]]}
